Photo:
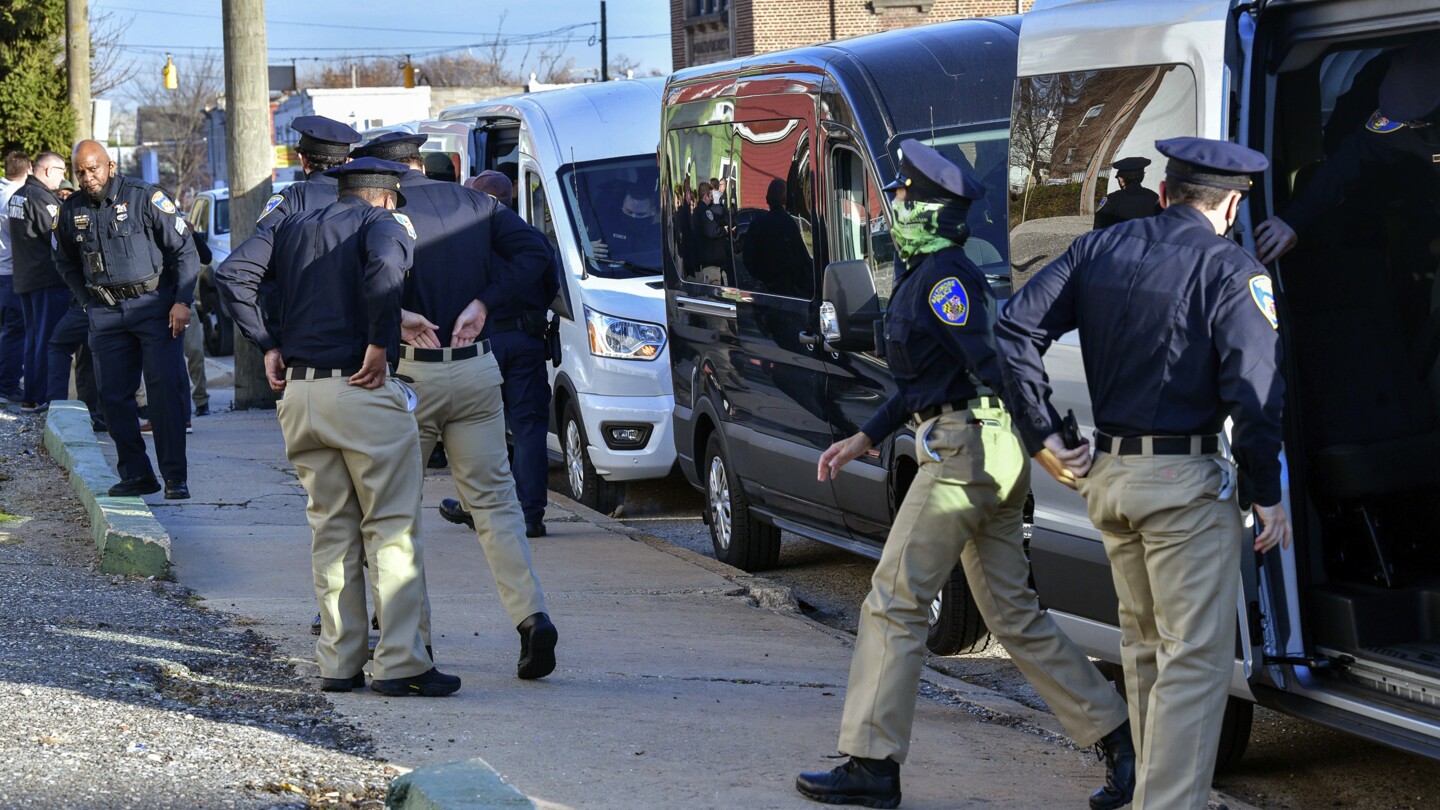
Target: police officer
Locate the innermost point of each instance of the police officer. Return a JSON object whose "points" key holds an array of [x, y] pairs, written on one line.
{"points": [[324, 144], [471, 251], [1133, 200], [964, 505], [340, 270], [1403, 132], [517, 328], [126, 254], [32, 213], [1178, 331]]}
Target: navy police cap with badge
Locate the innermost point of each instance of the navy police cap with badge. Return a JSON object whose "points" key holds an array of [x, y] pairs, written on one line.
{"points": [[322, 136], [395, 146], [369, 172], [1206, 162], [925, 174], [1126, 167]]}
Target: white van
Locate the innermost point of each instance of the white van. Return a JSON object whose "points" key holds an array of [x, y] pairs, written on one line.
{"points": [[574, 153], [1343, 628]]}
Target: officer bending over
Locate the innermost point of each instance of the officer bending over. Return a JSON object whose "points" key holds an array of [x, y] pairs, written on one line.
{"points": [[126, 254], [339, 270], [964, 505], [1178, 331]]}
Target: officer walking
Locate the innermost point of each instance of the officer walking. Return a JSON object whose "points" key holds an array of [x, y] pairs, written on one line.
{"points": [[471, 250], [324, 144], [1133, 200], [1178, 331], [126, 254], [517, 329], [340, 270], [964, 505]]}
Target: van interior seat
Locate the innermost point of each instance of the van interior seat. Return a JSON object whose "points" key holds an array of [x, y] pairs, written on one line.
{"points": [[981, 252]]}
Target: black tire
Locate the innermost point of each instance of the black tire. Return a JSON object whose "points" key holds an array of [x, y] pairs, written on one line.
{"points": [[1234, 733], [956, 627], [739, 536], [586, 485], [219, 331]]}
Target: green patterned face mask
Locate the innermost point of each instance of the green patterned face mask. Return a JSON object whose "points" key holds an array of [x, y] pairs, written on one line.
{"points": [[921, 228]]}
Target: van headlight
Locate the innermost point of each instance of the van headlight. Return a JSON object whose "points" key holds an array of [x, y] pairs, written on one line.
{"points": [[623, 339]]}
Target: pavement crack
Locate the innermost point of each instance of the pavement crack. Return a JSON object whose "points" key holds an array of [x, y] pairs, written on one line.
{"points": [[738, 681]]}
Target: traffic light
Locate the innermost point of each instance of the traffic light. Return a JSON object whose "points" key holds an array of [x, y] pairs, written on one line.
{"points": [[409, 70], [171, 76]]}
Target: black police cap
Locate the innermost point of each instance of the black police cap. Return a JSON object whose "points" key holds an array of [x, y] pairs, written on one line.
{"points": [[928, 175], [369, 172], [323, 136], [1410, 90], [396, 146], [1206, 162], [1131, 165]]}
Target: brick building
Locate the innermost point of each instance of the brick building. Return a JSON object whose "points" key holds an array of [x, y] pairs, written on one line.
{"points": [[704, 31]]}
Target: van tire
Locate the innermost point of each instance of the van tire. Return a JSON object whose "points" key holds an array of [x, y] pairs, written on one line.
{"points": [[739, 537], [586, 485], [956, 627], [1234, 733]]}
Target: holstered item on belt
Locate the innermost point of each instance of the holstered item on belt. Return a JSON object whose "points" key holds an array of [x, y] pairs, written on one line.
{"points": [[531, 322], [113, 294], [552, 341]]}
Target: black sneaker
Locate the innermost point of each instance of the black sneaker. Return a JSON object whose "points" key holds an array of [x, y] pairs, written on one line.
{"points": [[343, 684], [427, 684], [863, 782], [538, 638], [451, 510], [135, 486], [176, 490], [536, 529], [202, 410], [315, 625], [34, 407], [438, 459]]}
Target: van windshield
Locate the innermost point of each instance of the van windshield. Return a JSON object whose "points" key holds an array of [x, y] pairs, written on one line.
{"points": [[983, 150], [616, 212]]}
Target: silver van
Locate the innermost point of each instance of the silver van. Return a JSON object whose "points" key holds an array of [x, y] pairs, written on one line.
{"points": [[1344, 627]]}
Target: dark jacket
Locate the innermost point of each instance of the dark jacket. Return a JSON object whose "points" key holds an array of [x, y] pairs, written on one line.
{"points": [[31, 216]]}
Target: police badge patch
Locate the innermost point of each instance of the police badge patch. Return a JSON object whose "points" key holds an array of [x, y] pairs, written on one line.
{"points": [[122, 212], [950, 302], [404, 220], [1103, 200], [159, 200], [1381, 124], [1264, 296], [275, 199]]}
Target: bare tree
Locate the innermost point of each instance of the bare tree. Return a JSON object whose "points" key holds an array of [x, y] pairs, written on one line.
{"points": [[108, 66], [171, 123], [385, 72], [464, 70]]}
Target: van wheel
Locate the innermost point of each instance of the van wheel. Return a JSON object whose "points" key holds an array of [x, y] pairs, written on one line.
{"points": [[1234, 733], [739, 537], [956, 627], [586, 485]]}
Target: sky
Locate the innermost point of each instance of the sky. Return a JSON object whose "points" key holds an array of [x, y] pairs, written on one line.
{"points": [[333, 29]]}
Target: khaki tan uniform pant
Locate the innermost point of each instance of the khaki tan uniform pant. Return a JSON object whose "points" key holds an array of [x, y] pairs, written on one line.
{"points": [[966, 506], [194, 338], [461, 404], [1174, 547], [357, 453]]}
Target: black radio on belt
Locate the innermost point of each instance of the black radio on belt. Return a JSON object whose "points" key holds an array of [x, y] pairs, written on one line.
{"points": [[1070, 431]]}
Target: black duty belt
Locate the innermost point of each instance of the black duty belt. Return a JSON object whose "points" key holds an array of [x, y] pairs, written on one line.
{"points": [[506, 325], [1156, 445], [419, 355], [113, 294], [312, 373], [926, 414]]}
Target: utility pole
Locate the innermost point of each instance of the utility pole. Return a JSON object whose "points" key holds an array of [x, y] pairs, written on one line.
{"points": [[604, 47], [77, 63], [250, 159]]}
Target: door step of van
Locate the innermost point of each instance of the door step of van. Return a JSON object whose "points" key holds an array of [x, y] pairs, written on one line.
{"points": [[1408, 671]]}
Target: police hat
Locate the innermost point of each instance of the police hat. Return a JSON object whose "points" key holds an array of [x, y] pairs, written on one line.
{"points": [[322, 136], [396, 146], [369, 172], [1410, 90], [1130, 167], [1206, 162], [925, 174]]}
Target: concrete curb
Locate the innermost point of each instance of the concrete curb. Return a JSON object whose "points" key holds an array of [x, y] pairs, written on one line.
{"points": [[470, 784], [130, 539]]}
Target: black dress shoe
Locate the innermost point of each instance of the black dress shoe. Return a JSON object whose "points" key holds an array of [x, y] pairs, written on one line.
{"points": [[315, 625], [134, 486], [343, 684], [1118, 751], [427, 684], [176, 490], [451, 510], [202, 410], [538, 637], [98, 425], [536, 529], [860, 781]]}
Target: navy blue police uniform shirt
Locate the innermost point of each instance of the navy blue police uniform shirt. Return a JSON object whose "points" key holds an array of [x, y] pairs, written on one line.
{"points": [[33, 213], [339, 271], [1131, 202], [316, 191], [468, 246], [1177, 330], [938, 339], [137, 231]]}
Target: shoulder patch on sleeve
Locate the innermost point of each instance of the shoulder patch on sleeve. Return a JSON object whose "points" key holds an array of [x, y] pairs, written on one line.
{"points": [[404, 220], [275, 199], [1264, 296], [1103, 200], [159, 200], [950, 302], [1381, 124]]}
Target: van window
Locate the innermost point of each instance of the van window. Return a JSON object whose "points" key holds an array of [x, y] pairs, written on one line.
{"points": [[222, 216], [772, 208], [1066, 131], [198, 214], [859, 226], [616, 213], [700, 224], [537, 208], [982, 149]]}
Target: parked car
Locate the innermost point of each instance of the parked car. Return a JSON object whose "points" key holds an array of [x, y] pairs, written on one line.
{"points": [[1343, 628], [209, 216], [774, 290], [575, 155]]}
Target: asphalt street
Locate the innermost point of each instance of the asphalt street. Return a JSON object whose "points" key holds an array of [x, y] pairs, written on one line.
{"points": [[1290, 763]]}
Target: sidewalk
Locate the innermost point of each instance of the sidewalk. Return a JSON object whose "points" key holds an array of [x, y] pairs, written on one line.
{"points": [[674, 689]]}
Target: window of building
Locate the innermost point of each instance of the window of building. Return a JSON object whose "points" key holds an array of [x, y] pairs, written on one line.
{"points": [[771, 207]]}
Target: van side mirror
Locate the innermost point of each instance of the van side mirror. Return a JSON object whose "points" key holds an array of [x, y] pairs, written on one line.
{"points": [[849, 307]]}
